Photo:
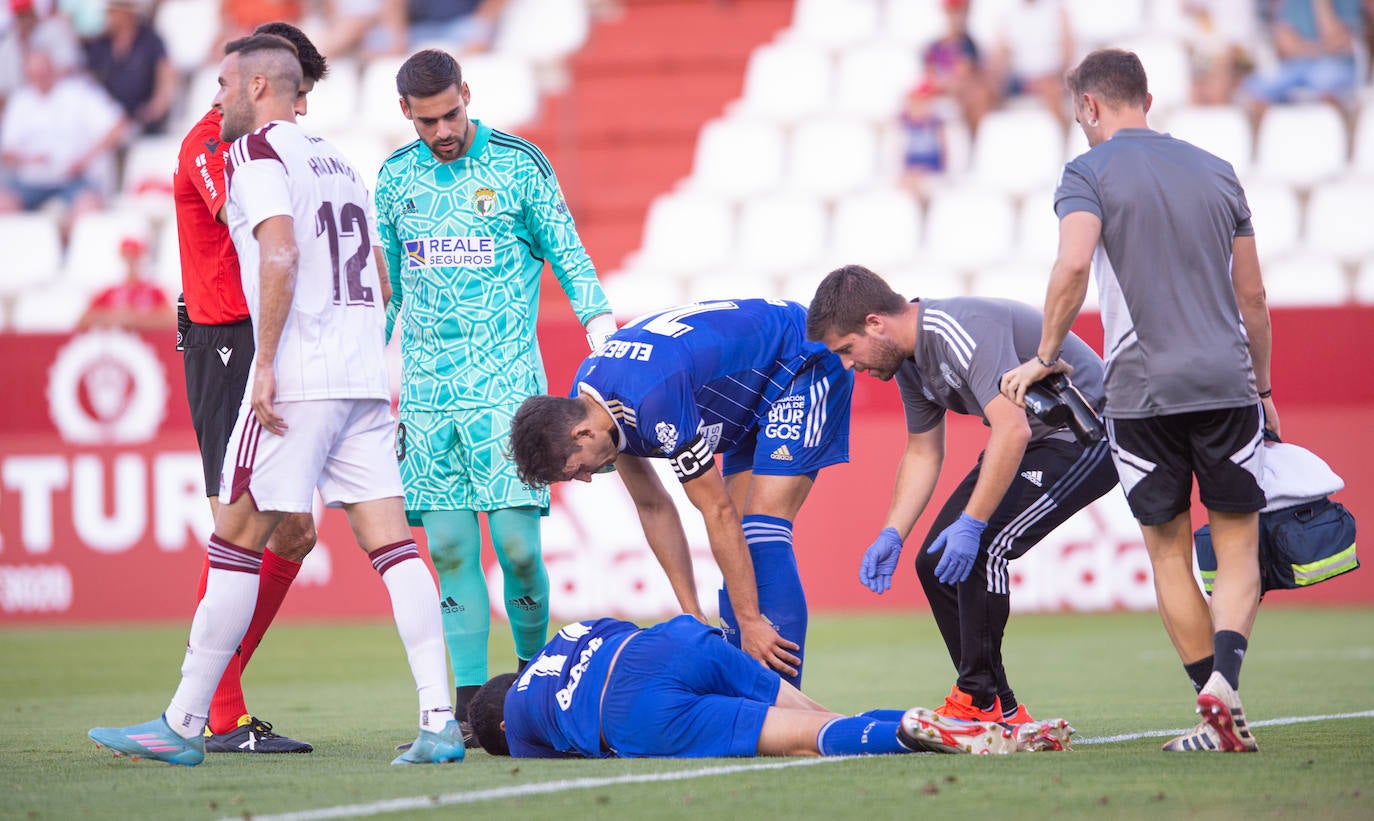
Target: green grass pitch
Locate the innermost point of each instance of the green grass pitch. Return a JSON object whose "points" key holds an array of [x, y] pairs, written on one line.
{"points": [[345, 687]]}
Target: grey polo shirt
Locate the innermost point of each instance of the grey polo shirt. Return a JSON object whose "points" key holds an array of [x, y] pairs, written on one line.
{"points": [[1174, 339], [965, 344]]}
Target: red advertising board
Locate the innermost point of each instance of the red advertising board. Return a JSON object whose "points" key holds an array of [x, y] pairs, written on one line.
{"points": [[103, 515]]}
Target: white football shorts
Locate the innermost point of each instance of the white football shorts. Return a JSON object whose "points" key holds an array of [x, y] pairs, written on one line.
{"points": [[345, 447]]}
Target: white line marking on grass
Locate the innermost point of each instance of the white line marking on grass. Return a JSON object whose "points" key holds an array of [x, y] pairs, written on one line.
{"points": [[449, 799], [1268, 722]]}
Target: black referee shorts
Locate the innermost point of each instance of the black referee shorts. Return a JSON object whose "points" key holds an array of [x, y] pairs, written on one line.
{"points": [[217, 360], [1158, 457]]}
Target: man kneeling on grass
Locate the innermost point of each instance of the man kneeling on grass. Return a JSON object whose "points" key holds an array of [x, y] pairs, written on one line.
{"points": [[677, 690]]}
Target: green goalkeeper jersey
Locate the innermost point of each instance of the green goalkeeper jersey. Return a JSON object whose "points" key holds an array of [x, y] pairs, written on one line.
{"points": [[465, 246]]}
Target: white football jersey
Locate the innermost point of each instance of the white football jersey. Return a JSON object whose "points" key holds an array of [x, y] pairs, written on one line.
{"points": [[332, 344]]}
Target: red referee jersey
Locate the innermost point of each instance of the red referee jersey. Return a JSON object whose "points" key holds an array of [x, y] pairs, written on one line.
{"points": [[209, 267]]}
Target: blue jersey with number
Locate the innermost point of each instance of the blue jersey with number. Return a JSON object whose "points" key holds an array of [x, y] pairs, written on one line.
{"points": [[554, 708], [699, 379]]}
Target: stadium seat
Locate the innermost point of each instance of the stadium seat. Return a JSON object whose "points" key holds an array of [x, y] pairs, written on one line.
{"points": [[912, 23], [1075, 142], [1339, 219], [872, 81], [146, 178], [740, 284], [51, 309], [188, 29], [504, 92], [833, 24], [379, 109], [366, 150], [1364, 283], [737, 158], [799, 284], [1013, 280], [93, 259], [199, 96], [786, 82], [1277, 217], [332, 106], [1096, 24], [1301, 144], [925, 279], [1306, 280], [685, 233], [969, 227], [779, 233], [633, 293], [167, 258], [832, 156], [1362, 154], [1037, 230], [542, 32], [32, 246], [880, 229], [1017, 149], [1221, 130]]}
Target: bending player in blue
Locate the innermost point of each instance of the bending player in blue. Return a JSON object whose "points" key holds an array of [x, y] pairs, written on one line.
{"points": [[607, 688], [738, 378]]}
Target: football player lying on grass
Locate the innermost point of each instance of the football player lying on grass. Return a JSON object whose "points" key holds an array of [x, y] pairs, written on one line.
{"points": [[677, 690]]}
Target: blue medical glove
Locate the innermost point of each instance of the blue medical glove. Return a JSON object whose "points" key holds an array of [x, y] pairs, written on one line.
{"points": [[960, 543], [880, 560]]}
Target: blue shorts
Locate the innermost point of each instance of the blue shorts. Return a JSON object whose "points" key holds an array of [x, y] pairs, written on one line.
{"points": [[804, 430], [678, 690]]}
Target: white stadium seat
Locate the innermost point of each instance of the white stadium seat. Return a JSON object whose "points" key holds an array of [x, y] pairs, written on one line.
{"points": [[332, 105], [1277, 217], [833, 24], [1362, 154], [1301, 144], [786, 82], [738, 158], [1339, 219], [188, 29], [32, 246], [1364, 283], [505, 94], [912, 23], [880, 229], [146, 179], [1306, 280], [872, 82], [633, 293], [93, 259], [969, 228], [1018, 149], [543, 31], [686, 234], [1220, 130], [832, 156], [779, 233], [1037, 230], [1168, 69], [1095, 23], [53, 308]]}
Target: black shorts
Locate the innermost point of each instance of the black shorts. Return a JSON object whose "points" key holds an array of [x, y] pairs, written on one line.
{"points": [[1157, 458], [217, 360]]}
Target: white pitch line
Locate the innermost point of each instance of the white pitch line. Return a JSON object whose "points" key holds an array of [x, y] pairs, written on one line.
{"points": [[1267, 722], [449, 799]]}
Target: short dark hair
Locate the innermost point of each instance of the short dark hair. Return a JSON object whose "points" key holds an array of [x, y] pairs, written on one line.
{"points": [[428, 72], [487, 710], [313, 64], [846, 297], [540, 438], [283, 75], [1114, 74]]}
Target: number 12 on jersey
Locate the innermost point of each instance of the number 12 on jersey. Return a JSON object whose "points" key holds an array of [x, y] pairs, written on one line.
{"points": [[350, 222]]}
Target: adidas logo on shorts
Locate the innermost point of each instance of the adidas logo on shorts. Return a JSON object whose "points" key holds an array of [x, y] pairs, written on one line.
{"points": [[1035, 477], [782, 454]]}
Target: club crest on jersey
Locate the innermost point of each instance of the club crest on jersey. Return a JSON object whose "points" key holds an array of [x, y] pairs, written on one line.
{"points": [[950, 376], [667, 436], [484, 201], [440, 252], [559, 204]]}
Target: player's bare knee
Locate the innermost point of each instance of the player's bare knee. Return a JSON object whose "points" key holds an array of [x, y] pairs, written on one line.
{"points": [[294, 537]]}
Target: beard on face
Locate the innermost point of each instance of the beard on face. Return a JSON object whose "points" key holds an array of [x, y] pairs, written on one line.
{"points": [[885, 358], [238, 118]]}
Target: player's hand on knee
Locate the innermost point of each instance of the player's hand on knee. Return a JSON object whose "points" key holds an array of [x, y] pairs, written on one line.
{"points": [[959, 542], [880, 561]]}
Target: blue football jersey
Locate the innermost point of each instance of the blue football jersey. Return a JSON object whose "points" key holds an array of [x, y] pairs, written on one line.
{"points": [[554, 708], [693, 381]]}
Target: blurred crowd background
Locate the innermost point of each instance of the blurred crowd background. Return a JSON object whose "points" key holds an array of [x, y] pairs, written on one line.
{"points": [[708, 148]]}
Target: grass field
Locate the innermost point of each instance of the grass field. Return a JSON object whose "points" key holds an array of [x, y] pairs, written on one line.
{"points": [[346, 688]]}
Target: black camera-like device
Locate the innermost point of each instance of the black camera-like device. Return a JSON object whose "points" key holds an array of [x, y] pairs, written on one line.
{"points": [[1056, 402]]}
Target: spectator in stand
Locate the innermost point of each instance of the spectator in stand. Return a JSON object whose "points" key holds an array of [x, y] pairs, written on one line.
{"points": [[1315, 42], [1034, 49], [373, 28], [239, 18], [954, 66], [40, 157], [130, 60], [1221, 37], [463, 26], [27, 29], [134, 304], [923, 140]]}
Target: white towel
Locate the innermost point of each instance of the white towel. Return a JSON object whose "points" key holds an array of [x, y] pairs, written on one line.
{"points": [[1292, 475]]}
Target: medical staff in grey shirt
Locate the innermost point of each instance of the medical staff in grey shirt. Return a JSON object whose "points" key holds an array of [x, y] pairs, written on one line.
{"points": [[949, 355], [1187, 342]]}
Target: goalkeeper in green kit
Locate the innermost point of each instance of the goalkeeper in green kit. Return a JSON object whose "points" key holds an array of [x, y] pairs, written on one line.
{"points": [[467, 216]]}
